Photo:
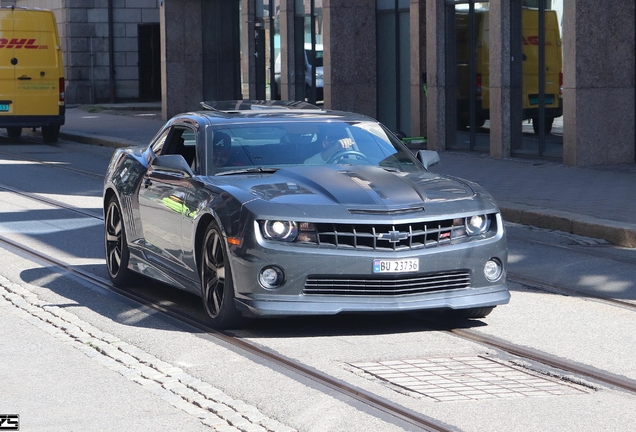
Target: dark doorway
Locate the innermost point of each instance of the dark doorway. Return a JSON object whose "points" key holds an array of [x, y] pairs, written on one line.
{"points": [[149, 62]]}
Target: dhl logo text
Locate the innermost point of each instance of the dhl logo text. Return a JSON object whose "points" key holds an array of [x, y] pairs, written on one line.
{"points": [[20, 43], [534, 40]]}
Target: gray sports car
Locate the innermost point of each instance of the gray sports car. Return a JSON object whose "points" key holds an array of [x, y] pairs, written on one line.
{"points": [[270, 208]]}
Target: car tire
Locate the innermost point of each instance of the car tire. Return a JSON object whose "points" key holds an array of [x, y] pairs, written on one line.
{"points": [[50, 134], [117, 252], [217, 287], [548, 125], [14, 132]]}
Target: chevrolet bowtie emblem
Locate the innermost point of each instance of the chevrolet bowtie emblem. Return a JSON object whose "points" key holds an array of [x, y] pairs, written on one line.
{"points": [[393, 236]]}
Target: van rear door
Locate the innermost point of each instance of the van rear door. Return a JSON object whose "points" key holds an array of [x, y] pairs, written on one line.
{"points": [[38, 68], [7, 70]]}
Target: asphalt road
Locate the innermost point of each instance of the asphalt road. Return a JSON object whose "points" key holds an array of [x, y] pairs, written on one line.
{"points": [[572, 327]]}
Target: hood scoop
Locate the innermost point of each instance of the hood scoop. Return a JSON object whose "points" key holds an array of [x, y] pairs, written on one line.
{"points": [[385, 211]]}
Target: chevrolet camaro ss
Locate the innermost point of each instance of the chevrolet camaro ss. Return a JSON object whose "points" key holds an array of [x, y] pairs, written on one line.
{"points": [[270, 208]]}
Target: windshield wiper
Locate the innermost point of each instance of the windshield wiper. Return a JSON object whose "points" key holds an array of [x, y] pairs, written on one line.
{"points": [[250, 170]]}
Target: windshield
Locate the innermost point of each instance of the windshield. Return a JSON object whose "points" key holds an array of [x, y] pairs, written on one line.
{"points": [[264, 147]]}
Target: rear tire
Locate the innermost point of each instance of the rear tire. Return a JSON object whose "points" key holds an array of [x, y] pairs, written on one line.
{"points": [[548, 125], [14, 132], [50, 134], [217, 288], [117, 252]]}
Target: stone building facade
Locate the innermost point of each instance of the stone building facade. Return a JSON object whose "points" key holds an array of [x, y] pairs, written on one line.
{"points": [[111, 48], [390, 59]]}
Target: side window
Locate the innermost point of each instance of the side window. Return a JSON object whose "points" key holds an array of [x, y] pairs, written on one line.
{"points": [[181, 141], [157, 146]]}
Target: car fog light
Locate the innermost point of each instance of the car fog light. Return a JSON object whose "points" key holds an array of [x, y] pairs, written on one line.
{"points": [[271, 277], [493, 270]]}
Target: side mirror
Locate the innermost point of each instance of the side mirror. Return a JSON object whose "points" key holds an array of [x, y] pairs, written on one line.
{"points": [[428, 157], [174, 163]]}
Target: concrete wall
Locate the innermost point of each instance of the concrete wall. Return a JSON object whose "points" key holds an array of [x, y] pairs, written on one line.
{"points": [[599, 74], [350, 56], [84, 32], [181, 63]]}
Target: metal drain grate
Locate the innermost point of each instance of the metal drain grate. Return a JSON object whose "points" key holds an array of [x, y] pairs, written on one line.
{"points": [[465, 378]]}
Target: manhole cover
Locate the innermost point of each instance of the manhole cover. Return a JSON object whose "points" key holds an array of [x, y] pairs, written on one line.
{"points": [[465, 378]]}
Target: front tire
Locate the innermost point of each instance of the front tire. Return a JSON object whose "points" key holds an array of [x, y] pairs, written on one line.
{"points": [[117, 252], [217, 288], [50, 134], [14, 132]]}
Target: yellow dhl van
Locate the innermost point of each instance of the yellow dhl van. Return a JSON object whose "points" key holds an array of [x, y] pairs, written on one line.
{"points": [[530, 68], [31, 72]]}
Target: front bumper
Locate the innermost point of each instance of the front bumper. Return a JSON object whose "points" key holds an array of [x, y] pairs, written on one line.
{"points": [[300, 263]]}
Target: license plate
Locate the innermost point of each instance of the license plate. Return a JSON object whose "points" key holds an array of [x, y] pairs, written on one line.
{"points": [[535, 101], [396, 266], [4, 107]]}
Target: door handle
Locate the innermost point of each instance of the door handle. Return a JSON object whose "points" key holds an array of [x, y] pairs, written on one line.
{"points": [[24, 77], [147, 182]]}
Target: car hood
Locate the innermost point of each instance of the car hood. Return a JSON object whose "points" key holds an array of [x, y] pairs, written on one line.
{"points": [[358, 189]]}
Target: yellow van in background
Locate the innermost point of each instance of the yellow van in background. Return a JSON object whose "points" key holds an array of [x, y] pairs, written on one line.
{"points": [[31, 72], [530, 69]]}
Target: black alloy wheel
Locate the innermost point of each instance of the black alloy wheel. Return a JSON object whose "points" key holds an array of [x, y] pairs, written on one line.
{"points": [[117, 252], [217, 289]]}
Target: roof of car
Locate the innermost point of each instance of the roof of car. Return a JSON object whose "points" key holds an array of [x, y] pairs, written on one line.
{"points": [[248, 110]]}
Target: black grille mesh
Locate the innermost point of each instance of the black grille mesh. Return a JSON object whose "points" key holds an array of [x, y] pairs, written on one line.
{"points": [[387, 285]]}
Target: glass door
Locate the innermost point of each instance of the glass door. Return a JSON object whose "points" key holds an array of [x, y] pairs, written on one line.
{"points": [[309, 51], [266, 47], [468, 72], [542, 80], [394, 59]]}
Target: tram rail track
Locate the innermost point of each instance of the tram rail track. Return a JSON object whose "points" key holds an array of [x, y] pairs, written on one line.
{"points": [[404, 414], [356, 393]]}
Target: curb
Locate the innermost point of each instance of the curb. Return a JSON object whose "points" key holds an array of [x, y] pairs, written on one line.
{"points": [[618, 233]]}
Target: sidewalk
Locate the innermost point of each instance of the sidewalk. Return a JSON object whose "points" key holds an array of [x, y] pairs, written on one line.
{"points": [[597, 202]]}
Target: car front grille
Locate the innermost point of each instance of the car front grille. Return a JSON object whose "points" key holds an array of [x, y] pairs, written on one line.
{"points": [[395, 237], [387, 285]]}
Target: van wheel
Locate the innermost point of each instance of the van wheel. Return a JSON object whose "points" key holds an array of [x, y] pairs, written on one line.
{"points": [[50, 134], [14, 132], [548, 125]]}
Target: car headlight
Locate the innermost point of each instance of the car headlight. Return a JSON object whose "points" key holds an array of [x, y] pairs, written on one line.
{"points": [[477, 224], [280, 230]]}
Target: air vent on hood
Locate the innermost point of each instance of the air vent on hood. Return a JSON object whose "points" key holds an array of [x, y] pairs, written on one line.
{"points": [[387, 211]]}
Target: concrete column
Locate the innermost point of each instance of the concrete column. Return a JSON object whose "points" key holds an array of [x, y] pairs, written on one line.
{"points": [[181, 57], [287, 65], [349, 33], [435, 75], [248, 61], [505, 71], [598, 82], [418, 67]]}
